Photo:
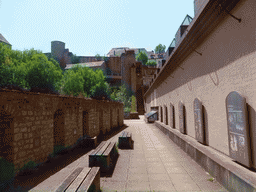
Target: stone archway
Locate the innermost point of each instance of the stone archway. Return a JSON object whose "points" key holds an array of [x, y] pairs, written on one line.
{"points": [[58, 129], [85, 123], [6, 136]]}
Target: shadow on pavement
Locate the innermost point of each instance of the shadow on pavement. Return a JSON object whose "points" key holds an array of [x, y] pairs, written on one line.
{"points": [[28, 180]]}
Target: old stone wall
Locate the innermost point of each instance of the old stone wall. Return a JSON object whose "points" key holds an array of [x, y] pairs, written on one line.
{"points": [[114, 63], [32, 123]]}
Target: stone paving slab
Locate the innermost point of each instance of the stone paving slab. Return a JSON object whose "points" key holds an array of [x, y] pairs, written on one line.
{"points": [[155, 164]]}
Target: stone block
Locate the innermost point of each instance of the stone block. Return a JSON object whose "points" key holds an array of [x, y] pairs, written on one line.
{"points": [[18, 136], [22, 154], [24, 113], [16, 130], [237, 184], [190, 150], [24, 129], [201, 159]]}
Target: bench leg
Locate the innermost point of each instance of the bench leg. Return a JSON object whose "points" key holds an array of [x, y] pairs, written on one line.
{"points": [[92, 161], [96, 183], [103, 162]]}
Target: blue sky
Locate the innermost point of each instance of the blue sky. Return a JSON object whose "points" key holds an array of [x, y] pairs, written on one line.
{"points": [[90, 27]]}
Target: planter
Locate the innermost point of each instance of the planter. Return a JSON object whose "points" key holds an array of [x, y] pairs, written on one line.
{"points": [[134, 115], [90, 142], [127, 115]]}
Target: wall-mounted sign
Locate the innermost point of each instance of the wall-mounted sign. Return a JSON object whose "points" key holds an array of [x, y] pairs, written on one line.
{"points": [[182, 118], [238, 129], [199, 125]]}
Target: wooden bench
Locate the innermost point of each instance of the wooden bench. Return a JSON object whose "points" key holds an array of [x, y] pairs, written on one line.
{"points": [[125, 140], [104, 156], [82, 179]]}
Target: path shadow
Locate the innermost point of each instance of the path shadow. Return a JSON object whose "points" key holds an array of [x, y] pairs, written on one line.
{"points": [[111, 133], [28, 180]]}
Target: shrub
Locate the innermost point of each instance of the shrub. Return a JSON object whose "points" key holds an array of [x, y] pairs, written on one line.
{"points": [[7, 173], [133, 107], [28, 166]]}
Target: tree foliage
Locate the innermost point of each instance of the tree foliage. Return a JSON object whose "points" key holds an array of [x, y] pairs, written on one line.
{"points": [[98, 57], [31, 69], [74, 59], [121, 94], [85, 81], [160, 48], [42, 73], [151, 63], [142, 57], [28, 69]]}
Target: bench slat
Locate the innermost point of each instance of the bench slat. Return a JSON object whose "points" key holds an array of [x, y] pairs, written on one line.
{"points": [[69, 179], [98, 148], [101, 151], [76, 183], [110, 147], [94, 173]]}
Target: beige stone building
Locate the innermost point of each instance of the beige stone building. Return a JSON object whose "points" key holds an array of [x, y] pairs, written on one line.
{"points": [[215, 56]]}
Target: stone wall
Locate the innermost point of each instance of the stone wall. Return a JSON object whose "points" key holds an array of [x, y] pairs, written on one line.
{"points": [[32, 123], [114, 64]]}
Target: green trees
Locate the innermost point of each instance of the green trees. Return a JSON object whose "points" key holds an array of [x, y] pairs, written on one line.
{"points": [[98, 57], [160, 48], [142, 57], [31, 69], [151, 63], [74, 59], [42, 73], [85, 81], [121, 94], [28, 69]]}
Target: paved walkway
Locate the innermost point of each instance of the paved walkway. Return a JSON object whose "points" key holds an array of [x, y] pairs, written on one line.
{"points": [[155, 164]]}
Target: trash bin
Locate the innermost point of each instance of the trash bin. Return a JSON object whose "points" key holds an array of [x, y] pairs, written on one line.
{"points": [[151, 117]]}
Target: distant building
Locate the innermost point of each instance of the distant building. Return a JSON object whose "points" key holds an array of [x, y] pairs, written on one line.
{"points": [[64, 57], [94, 65], [125, 70], [4, 41], [159, 58]]}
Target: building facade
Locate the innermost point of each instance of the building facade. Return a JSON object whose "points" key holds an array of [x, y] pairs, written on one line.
{"points": [[215, 57]]}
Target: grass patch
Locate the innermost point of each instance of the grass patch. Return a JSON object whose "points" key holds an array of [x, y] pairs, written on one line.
{"points": [[211, 179]]}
